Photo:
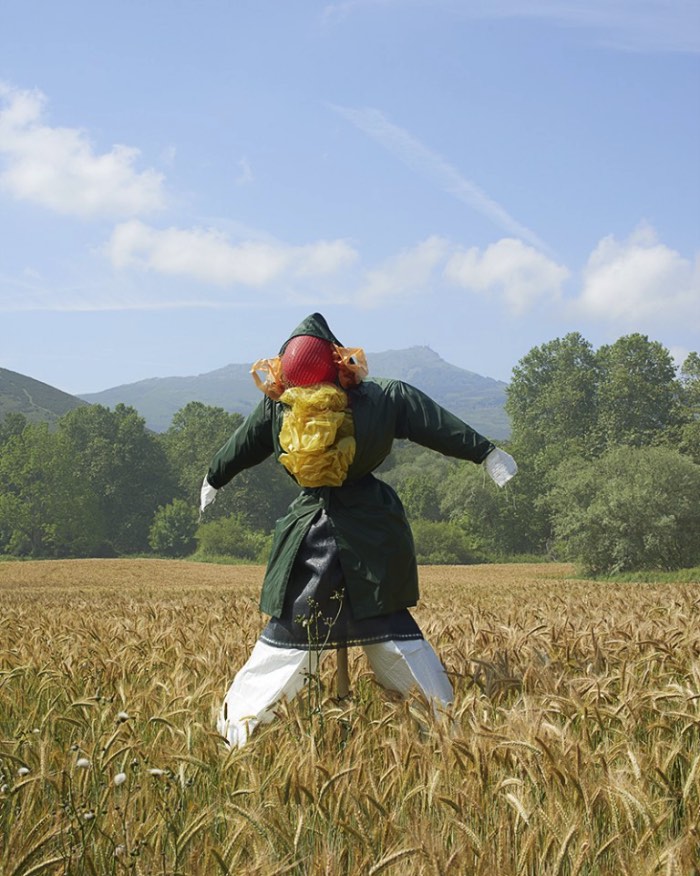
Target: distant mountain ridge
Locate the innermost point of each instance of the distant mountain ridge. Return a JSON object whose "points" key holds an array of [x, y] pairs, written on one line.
{"points": [[37, 401], [476, 399]]}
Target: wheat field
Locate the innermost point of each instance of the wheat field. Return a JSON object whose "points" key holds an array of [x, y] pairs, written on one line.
{"points": [[573, 746]]}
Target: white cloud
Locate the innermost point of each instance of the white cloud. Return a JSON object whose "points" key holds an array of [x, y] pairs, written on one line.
{"points": [[209, 256], [245, 174], [519, 273], [323, 257], [628, 25], [59, 169], [168, 155], [339, 10], [632, 25], [428, 163], [639, 281], [405, 274]]}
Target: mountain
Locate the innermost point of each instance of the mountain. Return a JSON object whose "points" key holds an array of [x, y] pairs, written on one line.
{"points": [[38, 401], [479, 401], [476, 399]]}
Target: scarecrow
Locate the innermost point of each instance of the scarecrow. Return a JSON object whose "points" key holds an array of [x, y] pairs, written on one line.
{"points": [[342, 569]]}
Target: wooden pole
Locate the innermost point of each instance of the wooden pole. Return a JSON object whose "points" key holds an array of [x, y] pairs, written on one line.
{"points": [[342, 678]]}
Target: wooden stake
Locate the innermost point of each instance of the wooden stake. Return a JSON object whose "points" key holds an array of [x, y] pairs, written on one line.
{"points": [[342, 678]]}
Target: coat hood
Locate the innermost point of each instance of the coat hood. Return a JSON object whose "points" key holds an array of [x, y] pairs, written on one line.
{"points": [[314, 325]]}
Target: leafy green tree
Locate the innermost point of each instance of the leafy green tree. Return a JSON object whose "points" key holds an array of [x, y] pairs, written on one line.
{"points": [[46, 508], [420, 495], [565, 400], [232, 536], [13, 424], [126, 468], [260, 494], [173, 529], [632, 509], [437, 489], [418, 475], [551, 399], [196, 432], [444, 543], [497, 522], [689, 441], [638, 393], [690, 380], [552, 403]]}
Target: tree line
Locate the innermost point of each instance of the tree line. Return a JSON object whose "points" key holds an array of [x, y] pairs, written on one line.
{"points": [[607, 441]]}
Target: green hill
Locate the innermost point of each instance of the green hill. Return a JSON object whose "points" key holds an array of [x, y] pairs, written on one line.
{"points": [[476, 399], [38, 401]]}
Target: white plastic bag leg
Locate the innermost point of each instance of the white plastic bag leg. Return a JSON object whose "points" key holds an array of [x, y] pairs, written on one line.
{"points": [[405, 665], [268, 675]]}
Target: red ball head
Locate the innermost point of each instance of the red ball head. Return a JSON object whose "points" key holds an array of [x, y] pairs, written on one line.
{"points": [[307, 360]]}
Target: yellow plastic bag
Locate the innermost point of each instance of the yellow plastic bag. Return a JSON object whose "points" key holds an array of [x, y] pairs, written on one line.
{"points": [[317, 435]]}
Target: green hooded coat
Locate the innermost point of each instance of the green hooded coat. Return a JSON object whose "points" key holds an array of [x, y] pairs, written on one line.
{"points": [[374, 538]]}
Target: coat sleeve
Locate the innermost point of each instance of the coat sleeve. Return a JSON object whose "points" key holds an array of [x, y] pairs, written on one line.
{"points": [[424, 421], [249, 445]]}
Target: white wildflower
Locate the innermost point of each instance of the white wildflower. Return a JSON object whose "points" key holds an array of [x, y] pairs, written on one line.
{"points": [[23, 771], [122, 716], [88, 816], [120, 778], [83, 763], [157, 772]]}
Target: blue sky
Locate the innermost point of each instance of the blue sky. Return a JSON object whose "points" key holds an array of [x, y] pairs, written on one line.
{"points": [[182, 182]]}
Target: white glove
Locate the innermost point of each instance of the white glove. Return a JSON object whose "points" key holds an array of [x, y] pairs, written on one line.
{"points": [[501, 466], [207, 495]]}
